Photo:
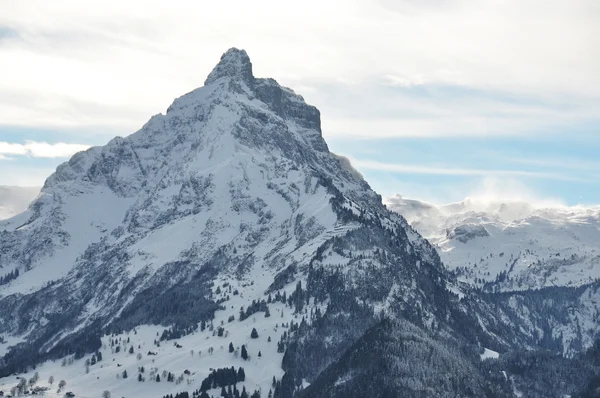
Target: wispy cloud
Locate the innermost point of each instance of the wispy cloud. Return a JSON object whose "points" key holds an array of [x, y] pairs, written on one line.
{"points": [[452, 171], [40, 149], [562, 163], [374, 109], [496, 190]]}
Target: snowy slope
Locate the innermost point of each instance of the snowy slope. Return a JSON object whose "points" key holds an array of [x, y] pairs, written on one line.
{"points": [[515, 245], [13, 200]]}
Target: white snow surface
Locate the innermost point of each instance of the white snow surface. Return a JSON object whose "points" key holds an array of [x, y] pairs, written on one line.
{"points": [[193, 355], [532, 246], [489, 354]]}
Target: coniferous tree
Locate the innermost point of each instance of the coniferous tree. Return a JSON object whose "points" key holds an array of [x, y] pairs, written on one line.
{"points": [[254, 333], [241, 375], [244, 353], [231, 349]]}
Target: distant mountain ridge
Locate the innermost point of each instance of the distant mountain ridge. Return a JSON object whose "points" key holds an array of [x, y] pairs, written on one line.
{"points": [[510, 245]]}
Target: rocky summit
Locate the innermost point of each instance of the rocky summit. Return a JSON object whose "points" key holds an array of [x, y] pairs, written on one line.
{"points": [[223, 250]]}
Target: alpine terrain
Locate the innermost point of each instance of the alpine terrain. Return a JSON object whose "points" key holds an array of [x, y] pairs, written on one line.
{"points": [[512, 245], [223, 251]]}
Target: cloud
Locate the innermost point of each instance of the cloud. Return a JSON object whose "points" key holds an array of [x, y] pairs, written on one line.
{"points": [[562, 163], [40, 149], [377, 109], [26, 176], [141, 54], [453, 171], [505, 190], [481, 195], [347, 165]]}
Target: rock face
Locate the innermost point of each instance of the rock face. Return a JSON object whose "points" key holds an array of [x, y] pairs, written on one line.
{"points": [[465, 233], [227, 214]]}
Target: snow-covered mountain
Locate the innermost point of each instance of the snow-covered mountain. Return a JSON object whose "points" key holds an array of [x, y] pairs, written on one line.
{"points": [[14, 200], [224, 234], [511, 245], [228, 197]]}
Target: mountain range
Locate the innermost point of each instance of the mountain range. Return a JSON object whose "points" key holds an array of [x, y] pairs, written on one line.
{"points": [[223, 250], [505, 246]]}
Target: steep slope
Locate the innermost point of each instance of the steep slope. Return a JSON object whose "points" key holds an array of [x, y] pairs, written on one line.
{"points": [[402, 355], [510, 246], [14, 200]]}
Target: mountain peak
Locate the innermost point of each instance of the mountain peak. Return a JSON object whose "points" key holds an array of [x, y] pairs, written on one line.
{"points": [[234, 63]]}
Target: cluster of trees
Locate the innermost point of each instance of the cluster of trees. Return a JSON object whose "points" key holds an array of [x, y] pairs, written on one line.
{"points": [[96, 357], [293, 327], [229, 392], [9, 277], [545, 374], [169, 376], [179, 331], [233, 392], [183, 394], [223, 377], [256, 306], [244, 350], [298, 298], [22, 388]]}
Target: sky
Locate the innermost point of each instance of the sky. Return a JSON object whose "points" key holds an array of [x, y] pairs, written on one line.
{"points": [[431, 99]]}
